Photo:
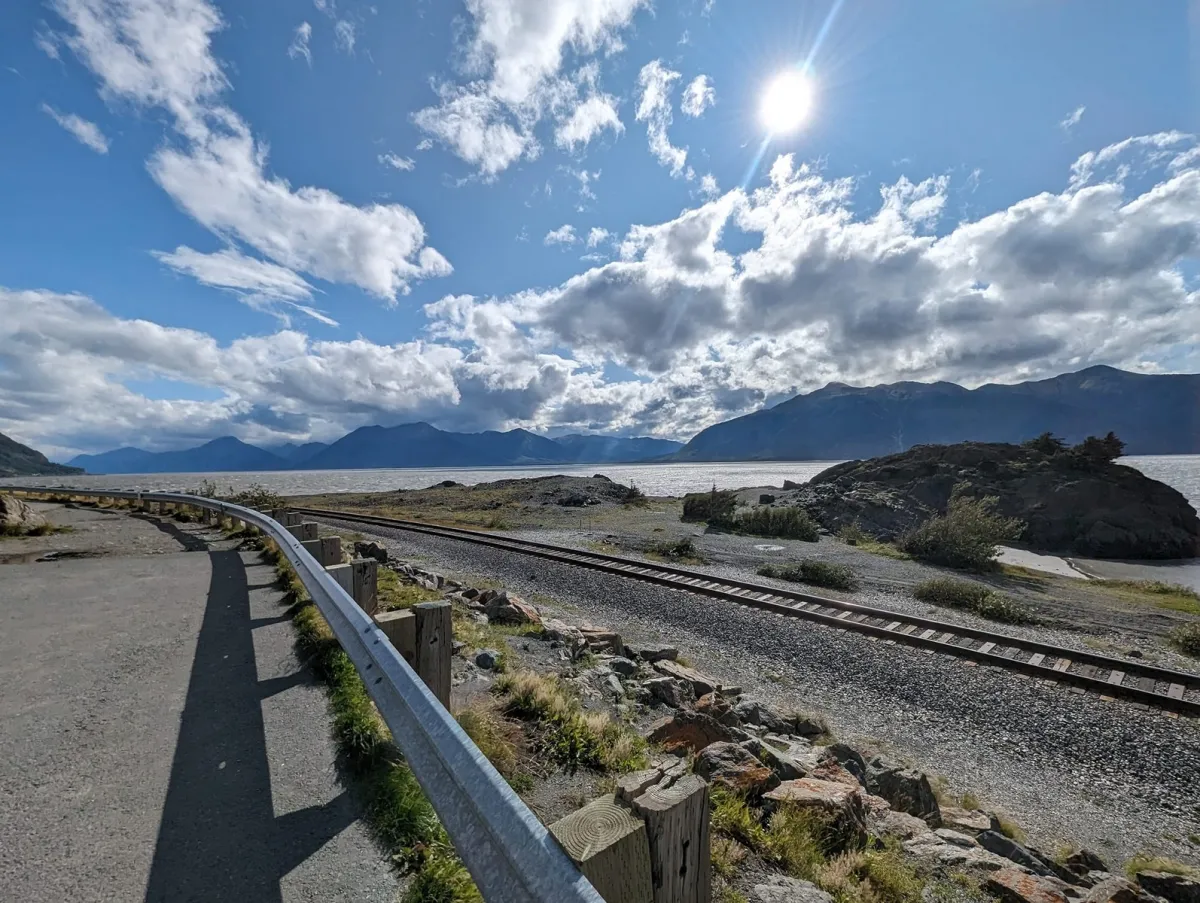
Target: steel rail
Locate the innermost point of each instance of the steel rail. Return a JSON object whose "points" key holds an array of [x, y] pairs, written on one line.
{"points": [[1105, 675], [509, 853]]}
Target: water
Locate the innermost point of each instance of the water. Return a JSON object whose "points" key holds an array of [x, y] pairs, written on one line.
{"points": [[1180, 471]]}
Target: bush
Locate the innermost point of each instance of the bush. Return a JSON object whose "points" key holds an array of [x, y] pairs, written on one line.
{"points": [[1047, 443], [676, 549], [1186, 638], [1093, 452], [785, 523], [709, 506], [973, 597], [633, 495], [816, 573], [965, 537]]}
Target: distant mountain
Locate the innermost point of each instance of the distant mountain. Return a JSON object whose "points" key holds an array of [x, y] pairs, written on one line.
{"points": [[219, 455], [17, 460], [409, 445], [1154, 414]]}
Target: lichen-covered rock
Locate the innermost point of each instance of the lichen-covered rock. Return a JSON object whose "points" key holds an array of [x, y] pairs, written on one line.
{"points": [[906, 791], [719, 708], [1175, 888], [781, 889], [733, 767], [688, 730], [668, 691], [701, 684], [1016, 886], [503, 608], [842, 803]]}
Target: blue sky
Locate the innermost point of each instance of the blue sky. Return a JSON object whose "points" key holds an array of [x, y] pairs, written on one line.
{"points": [[283, 220]]}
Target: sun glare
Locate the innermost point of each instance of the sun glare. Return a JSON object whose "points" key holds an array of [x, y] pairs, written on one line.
{"points": [[786, 102]]}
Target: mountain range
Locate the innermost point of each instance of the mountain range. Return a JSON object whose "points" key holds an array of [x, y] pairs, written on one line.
{"points": [[17, 460], [1154, 414], [408, 445]]}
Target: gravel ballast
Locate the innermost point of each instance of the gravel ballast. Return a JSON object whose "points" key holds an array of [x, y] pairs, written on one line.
{"points": [[1065, 765]]}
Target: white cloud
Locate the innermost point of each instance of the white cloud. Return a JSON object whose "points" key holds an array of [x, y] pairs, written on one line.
{"points": [[85, 132], [424, 144], [160, 55], [344, 36], [563, 235], [588, 119], [654, 109], [299, 45], [596, 235], [47, 42], [708, 186], [229, 268], [698, 96], [405, 163], [516, 50], [1072, 119]]}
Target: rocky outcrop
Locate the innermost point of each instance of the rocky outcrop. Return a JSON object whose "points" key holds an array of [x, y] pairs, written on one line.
{"points": [[1175, 888], [505, 609], [906, 791], [734, 768], [1069, 505], [18, 517], [780, 889]]}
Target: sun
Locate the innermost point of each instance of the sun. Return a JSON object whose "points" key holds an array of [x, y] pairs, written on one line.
{"points": [[786, 102]]}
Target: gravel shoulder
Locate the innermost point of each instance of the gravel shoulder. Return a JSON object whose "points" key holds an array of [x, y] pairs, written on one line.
{"points": [[1068, 767]]}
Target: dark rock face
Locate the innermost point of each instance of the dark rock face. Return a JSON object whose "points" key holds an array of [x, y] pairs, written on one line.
{"points": [[906, 791], [1096, 510]]}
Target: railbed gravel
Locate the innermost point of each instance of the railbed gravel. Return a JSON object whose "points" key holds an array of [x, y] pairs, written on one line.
{"points": [[1066, 766]]}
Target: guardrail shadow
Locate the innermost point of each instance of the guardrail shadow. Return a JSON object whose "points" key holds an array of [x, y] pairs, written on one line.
{"points": [[219, 839]]}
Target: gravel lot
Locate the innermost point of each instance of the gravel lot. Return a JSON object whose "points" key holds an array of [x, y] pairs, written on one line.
{"points": [[1067, 766]]}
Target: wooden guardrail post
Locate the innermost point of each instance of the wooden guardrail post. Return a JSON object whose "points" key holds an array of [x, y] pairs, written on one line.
{"points": [[400, 627], [434, 646], [331, 550], [609, 844], [303, 532], [677, 827], [365, 573], [343, 576]]}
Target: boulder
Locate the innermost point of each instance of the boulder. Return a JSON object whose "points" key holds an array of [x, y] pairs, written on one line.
{"points": [[688, 730], [1171, 887], [906, 791], [613, 686], [791, 761], [656, 653], [16, 515], [751, 711], [369, 549], [487, 658], [930, 847], [1082, 862], [780, 889], [841, 803], [505, 609], [701, 684], [1115, 889], [972, 822], [889, 824], [1016, 886], [717, 707], [668, 691], [829, 770], [600, 639], [733, 767], [956, 837], [623, 666], [850, 759], [995, 842]]}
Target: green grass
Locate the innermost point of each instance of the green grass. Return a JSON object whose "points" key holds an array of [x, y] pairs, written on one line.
{"points": [[1172, 596], [976, 598], [397, 812], [678, 550], [1010, 828], [1144, 862], [395, 593], [814, 573], [495, 736], [780, 523], [853, 535], [570, 736]]}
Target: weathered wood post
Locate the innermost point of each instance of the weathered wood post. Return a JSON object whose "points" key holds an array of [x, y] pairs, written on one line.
{"points": [[366, 583], [434, 646], [400, 627], [611, 848], [343, 576], [303, 532], [291, 518], [313, 547], [677, 827], [331, 550]]}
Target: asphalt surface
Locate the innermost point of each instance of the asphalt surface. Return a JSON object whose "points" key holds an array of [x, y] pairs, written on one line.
{"points": [[159, 739], [1069, 768]]}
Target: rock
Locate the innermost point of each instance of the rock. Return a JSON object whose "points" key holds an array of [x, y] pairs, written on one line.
{"points": [[1175, 888], [16, 515], [806, 726], [719, 708], [995, 842], [367, 549], [560, 631], [780, 889], [971, 822], [1083, 861], [613, 685], [623, 666], [700, 683], [487, 658], [850, 759], [930, 847], [688, 730], [600, 639], [470, 593], [457, 646], [1015, 886], [766, 498], [906, 791], [505, 609], [733, 767], [890, 824], [829, 770], [842, 803], [792, 761], [751, 711], [656, 653], [667, 691], [1115, 889], [955, 837]]}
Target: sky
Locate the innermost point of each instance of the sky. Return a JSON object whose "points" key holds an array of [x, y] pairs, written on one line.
{"points": [[285, 220]]}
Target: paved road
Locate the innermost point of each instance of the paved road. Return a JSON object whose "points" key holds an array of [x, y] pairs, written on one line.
{"points": [[159, 739]]}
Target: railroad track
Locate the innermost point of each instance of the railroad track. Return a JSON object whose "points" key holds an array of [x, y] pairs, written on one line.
{"points": [[1142, 683]]}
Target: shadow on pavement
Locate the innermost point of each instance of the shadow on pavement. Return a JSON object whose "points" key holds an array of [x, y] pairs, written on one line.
{"points": [[219, 838]]}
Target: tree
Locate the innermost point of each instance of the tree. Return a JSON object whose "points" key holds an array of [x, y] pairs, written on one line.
{"points": [[1047, 444], [1097, 452]]}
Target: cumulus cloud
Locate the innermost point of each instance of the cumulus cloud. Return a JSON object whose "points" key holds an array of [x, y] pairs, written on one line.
{"points": [[655, 83], [563, 235], [515, 50], [596, 235], [299, 45], [708, 186], [161, 56], [396, 162], [698, 96], [1072, 119], [85, 132]]}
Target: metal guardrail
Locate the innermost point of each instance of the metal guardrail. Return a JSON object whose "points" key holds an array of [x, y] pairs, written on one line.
{"points": [[507, 850]]}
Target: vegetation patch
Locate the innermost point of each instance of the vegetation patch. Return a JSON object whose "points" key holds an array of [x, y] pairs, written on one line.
{"points": [[1186, 639], [394, 593], [815, 573], [682, 550], [709, 506], [947, 592], [966, 537], [1144, 862], [1173, 596], [570, 736]]}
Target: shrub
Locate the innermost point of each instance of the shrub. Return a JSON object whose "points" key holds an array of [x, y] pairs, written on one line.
{"points": [[973, 597], [676, 548], [633, 495], [816, 573], [965, 537], [853, 534], [709, 506], [1047, 444], [1186, 638], [785, 523]]}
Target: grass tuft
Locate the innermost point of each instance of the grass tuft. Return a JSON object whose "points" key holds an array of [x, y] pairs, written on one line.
{"points": [[948, 592], [395, 593], [683, 550], [1144, 862], [814, 573], [493, 734]]}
